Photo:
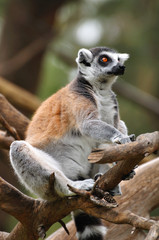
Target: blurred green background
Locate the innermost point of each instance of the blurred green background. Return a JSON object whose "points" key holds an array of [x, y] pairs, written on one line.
{"points": [[128, 26]]}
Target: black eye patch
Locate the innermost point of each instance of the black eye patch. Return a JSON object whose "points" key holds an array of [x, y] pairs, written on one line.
{"points": [[104, 60], [85, 63]]}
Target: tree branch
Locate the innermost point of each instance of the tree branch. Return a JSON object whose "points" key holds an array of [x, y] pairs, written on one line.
{"points": [[34, 213], [140, 196], [18, 96], [12, 131], [38, 214], [144, 145], [153, 233], [13, 116], [5, 141]]}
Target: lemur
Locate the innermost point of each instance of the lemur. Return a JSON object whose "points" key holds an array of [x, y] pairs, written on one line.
{"points": [[65, 129]]}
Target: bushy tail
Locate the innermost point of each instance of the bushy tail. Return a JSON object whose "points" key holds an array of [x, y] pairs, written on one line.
{"points": [[88, 227]]}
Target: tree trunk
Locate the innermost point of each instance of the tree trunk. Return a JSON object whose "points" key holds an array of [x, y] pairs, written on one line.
{"points": [[29, 27]]}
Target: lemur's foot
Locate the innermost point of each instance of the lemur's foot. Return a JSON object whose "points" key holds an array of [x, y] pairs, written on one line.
{"points": [[86, 184], [121, 140], [130, 175]]}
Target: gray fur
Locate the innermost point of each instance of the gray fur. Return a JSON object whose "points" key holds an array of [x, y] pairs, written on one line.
{"points": [[68, 156]]}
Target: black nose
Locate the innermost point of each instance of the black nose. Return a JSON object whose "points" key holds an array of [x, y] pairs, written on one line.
{"points": [[118, 70]]}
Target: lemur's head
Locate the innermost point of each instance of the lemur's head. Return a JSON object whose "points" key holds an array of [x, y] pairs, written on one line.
{"points": [[101, 63]]}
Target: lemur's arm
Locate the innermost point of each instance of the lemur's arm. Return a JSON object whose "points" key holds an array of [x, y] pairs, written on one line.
{"points": [[102, 132]]}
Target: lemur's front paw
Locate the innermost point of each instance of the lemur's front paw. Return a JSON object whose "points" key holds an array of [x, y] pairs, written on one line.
{"points": [[124, 139], [121, 140]]}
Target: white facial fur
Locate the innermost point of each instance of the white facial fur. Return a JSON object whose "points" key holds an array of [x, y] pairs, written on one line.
{"points": [[95, 71]]}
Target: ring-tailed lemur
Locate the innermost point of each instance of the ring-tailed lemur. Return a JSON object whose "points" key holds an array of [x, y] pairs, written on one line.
{"points": [[65, 129]]}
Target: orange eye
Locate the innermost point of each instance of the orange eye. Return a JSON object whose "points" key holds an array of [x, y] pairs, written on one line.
{"points": [[104, 59]]}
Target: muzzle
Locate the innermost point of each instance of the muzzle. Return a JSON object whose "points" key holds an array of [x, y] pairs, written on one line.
{"points": [[117, 70]]}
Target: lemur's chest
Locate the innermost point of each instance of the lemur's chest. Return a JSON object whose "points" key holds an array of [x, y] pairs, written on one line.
{"points": [[107, 107]]}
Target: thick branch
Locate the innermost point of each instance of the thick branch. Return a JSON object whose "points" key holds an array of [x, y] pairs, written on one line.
{"points": [[10, 130], [5, 141], [144, 145], [19, 96], [153, 233], [13, 116], [34, 213], [14, 202]]}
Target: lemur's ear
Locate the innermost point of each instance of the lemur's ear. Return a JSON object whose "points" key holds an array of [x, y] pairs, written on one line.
{"points": [[84, 56], [123, 57]]}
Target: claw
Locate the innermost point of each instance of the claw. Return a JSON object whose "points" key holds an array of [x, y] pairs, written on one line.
{"points": [[41, 232]]}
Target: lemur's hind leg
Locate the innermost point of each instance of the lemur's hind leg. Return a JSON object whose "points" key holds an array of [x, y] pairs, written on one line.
{"points": [[34, 167]]}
